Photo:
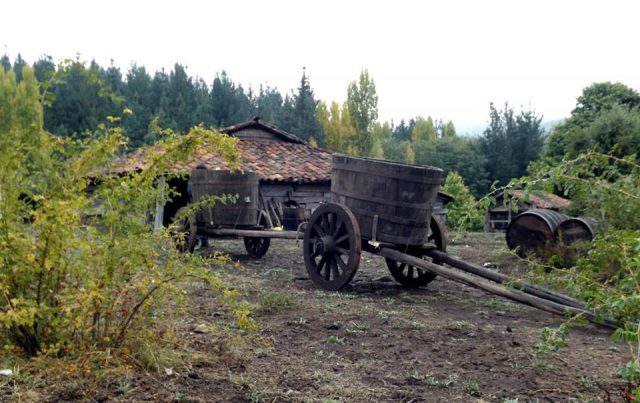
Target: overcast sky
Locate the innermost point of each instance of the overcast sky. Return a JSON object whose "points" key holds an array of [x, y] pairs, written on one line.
{"points": [[447, 59]]}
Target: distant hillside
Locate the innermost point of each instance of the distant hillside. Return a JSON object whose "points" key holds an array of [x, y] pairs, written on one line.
{"points": [[550, 124], [477, 130]]}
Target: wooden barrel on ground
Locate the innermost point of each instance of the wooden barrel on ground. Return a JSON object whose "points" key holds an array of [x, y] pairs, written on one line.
{"points": [[532, 232], [575, 229], [292, 217], [392, 201], [244, 212]]}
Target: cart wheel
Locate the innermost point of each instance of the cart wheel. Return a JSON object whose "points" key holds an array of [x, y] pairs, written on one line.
{"points": [[410, 276], [256, 247], [185, 232], [332, 246]]}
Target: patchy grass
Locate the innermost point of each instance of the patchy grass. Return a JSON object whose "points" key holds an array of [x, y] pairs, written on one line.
{"points": [[276, 301], [375, 341]]}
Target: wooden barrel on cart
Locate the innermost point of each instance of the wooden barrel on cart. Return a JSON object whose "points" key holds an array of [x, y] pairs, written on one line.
{"points": [[575, 229], [391, 201], [532, 232], [242, 213]]}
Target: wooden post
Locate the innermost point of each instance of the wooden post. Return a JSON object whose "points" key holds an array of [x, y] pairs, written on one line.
{"points": [[159, 218]]}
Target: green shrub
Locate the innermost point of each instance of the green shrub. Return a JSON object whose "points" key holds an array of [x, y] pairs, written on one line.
{"points": [[607, 276], [82, 270], [464, 212]]}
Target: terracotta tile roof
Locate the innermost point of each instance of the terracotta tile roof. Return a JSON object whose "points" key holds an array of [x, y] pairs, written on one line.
{"points": [[541, 199], [274, 161]]}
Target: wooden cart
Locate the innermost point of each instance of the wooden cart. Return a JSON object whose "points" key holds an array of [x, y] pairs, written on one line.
{"points": [[380, 207]]}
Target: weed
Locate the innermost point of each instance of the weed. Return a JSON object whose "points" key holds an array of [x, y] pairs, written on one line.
{"points": [[441, 383], [472, 387], [339, 341], [461, 324], [388, 301], [431, 380], [386, 314], [552, 341], [301, 322], [243, 383], [501, 304], [415, 375], [324, 355], [357, 327], [417, 325], [331, 306], [542, 365], [124, 386], [586, 382], [273, 301], [482, 314], [179, 396]]}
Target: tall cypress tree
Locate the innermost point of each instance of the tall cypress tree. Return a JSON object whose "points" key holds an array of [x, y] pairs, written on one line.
{"points": [[306, 125]]}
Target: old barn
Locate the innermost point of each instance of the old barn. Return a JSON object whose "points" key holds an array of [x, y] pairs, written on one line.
{"points": [[290, 171]]}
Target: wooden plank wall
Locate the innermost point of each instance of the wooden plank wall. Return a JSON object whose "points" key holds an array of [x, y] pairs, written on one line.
{"points": [[255, 134], [440, 211]]}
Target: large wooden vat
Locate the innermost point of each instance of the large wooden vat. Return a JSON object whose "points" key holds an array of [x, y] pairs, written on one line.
{"points": [[242, 213], [532, 232], [392, 199]]}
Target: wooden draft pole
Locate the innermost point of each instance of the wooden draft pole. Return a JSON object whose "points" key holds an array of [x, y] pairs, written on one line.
{"points": [[502, 278], [492, 287]]}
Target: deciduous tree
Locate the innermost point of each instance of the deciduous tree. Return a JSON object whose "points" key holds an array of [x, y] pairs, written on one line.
{"points": [[362, 102]]}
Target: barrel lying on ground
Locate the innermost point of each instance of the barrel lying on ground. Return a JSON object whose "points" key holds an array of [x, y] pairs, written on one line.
{"points": [[575, 229], [532, 232]]}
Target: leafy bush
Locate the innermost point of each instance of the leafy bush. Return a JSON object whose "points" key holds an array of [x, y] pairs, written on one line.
{"points": [[607, 277], [83, 270], [464, 212]]}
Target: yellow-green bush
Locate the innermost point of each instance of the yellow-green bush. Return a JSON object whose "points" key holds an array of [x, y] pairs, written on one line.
{"points": [[78, 270]]}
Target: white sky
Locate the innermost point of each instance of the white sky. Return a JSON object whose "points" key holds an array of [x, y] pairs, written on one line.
{"points": [[447, 59]]}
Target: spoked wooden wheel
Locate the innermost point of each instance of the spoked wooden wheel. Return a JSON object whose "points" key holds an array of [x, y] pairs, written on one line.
{"points": [[410, 276], [257, 247], [332, 246], [185, 232]]}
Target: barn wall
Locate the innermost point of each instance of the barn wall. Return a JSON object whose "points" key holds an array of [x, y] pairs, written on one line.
{"points": [[440, 210], [255, 134], [308, 196]]}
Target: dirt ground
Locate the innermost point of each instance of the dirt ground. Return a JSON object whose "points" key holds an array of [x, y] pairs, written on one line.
{"points": [[374, 341]]}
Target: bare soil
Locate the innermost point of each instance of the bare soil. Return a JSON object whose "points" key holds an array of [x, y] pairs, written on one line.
{"points": [[374, 341]]}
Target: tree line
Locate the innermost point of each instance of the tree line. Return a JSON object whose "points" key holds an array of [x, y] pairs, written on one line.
{"points": [[79, 96]]}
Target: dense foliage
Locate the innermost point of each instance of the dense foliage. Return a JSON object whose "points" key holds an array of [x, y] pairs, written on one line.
{"points": [[82, 269], [607, 275], [463, 212], [606, 119], [79, 97], [511, 142], [592, 158]]}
